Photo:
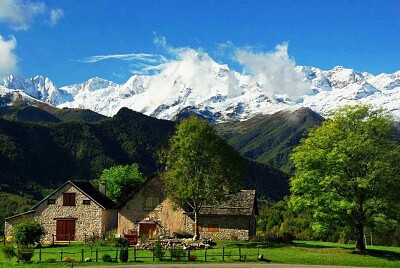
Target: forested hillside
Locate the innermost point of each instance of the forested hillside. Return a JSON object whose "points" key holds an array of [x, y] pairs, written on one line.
{"points": [[35, 156], [42, 155], [269, 139]]}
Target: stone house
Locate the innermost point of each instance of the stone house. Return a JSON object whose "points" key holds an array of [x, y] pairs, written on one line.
{"points": [[148, 212], [73, 211]]}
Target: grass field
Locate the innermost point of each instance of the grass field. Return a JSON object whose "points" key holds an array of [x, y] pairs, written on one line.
{"points": [[300, 252]]}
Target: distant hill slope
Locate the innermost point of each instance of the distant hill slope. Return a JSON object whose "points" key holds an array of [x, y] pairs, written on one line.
{"points": [[269, 139], [47, 114], [36, 155], [39, 155]]}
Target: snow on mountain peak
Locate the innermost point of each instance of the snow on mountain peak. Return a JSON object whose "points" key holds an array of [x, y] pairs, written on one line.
{"points": [[195, 82]]}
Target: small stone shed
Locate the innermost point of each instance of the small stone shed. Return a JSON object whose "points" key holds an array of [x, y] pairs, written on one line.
{"points": [[234, 219], [72, 212], [148, 212]]}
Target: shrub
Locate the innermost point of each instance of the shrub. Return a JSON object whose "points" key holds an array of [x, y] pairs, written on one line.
{"points": [[106, 258], [110, 236], [123, 254], [24, 253], [193, 257], [158, 251], [28, 232], [9, 251], [177, 253], [288, 238], [183, 234], [92, 240], [50, 260], [121, 242]]}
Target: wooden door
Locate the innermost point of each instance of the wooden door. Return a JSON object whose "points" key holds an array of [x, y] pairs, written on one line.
{"points": [[65, 230], [147, 229]]}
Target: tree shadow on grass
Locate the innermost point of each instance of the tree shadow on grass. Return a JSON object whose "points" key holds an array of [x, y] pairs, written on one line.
{"points": [[258, 245], [307, 245], [382, 254]]}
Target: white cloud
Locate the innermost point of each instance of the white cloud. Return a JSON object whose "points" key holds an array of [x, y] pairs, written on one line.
{"points": [[161, 43], [147, 58], [275, 71], [55, 16], [20, 14], [8, 60]]}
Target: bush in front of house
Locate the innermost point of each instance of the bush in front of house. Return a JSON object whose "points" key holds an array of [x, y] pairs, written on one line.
{"points": [[121, 242], [178, 253], [50, 260], [24, 253], [9, 251], [106, 258], [183, 234], [193, 257], [28, 232], [123, 254], [158, 251]]}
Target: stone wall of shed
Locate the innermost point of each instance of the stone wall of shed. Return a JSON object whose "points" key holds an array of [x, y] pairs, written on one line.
{"points": [[229, 227], [168, 218]]}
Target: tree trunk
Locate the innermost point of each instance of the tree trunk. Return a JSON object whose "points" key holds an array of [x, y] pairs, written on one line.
{"points": [[196, 227], [360, 245]]}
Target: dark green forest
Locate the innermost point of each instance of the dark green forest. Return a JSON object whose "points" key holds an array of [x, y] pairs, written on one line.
{"points": [[42, 148]]}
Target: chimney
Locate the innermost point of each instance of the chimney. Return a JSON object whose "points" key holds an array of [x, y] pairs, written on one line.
{"points": [[102, 187]]}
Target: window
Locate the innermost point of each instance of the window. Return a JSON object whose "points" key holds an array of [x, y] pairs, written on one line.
{"points": [[212, 228], [86, 202], [68, 199], [151, 201], [51, 201]]}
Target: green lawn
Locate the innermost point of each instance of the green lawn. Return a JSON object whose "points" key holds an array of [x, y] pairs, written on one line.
{"points": [[301, 252]]}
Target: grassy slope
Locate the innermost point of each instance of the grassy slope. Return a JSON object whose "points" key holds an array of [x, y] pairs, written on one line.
{"points": [[301, 252]]}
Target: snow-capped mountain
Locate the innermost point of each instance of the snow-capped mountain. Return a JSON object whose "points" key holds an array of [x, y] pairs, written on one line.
{"points": [[197, 83]]}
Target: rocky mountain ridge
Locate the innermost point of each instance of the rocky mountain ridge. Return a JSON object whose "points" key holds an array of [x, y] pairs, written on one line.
{"points": [[201, 85]]}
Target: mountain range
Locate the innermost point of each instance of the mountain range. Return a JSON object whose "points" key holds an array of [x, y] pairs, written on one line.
{"points": [[199, 84]]}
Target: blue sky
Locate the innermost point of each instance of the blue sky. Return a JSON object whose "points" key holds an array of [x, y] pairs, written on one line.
{"points": [[63, 39]]}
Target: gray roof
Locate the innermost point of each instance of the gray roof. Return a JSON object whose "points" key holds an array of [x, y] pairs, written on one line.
{"points": [[89, 190], [243, 203], [19, 215]]}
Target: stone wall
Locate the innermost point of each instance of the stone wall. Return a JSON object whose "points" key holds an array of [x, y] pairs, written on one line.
{"points": [[8, 224], [223, 227], [168, 218]]}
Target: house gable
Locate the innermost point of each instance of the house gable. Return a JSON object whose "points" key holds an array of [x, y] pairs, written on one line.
{"points": [[88, 190]]}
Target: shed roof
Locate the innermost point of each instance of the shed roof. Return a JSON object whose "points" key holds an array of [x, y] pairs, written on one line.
{"points": [[243, 203], [19, 215]]}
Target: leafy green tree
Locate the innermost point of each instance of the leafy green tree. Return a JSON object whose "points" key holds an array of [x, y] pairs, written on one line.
{"points": [[28, 232], [347, 171], [200, 167], [120, 181], [276, 220]]}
